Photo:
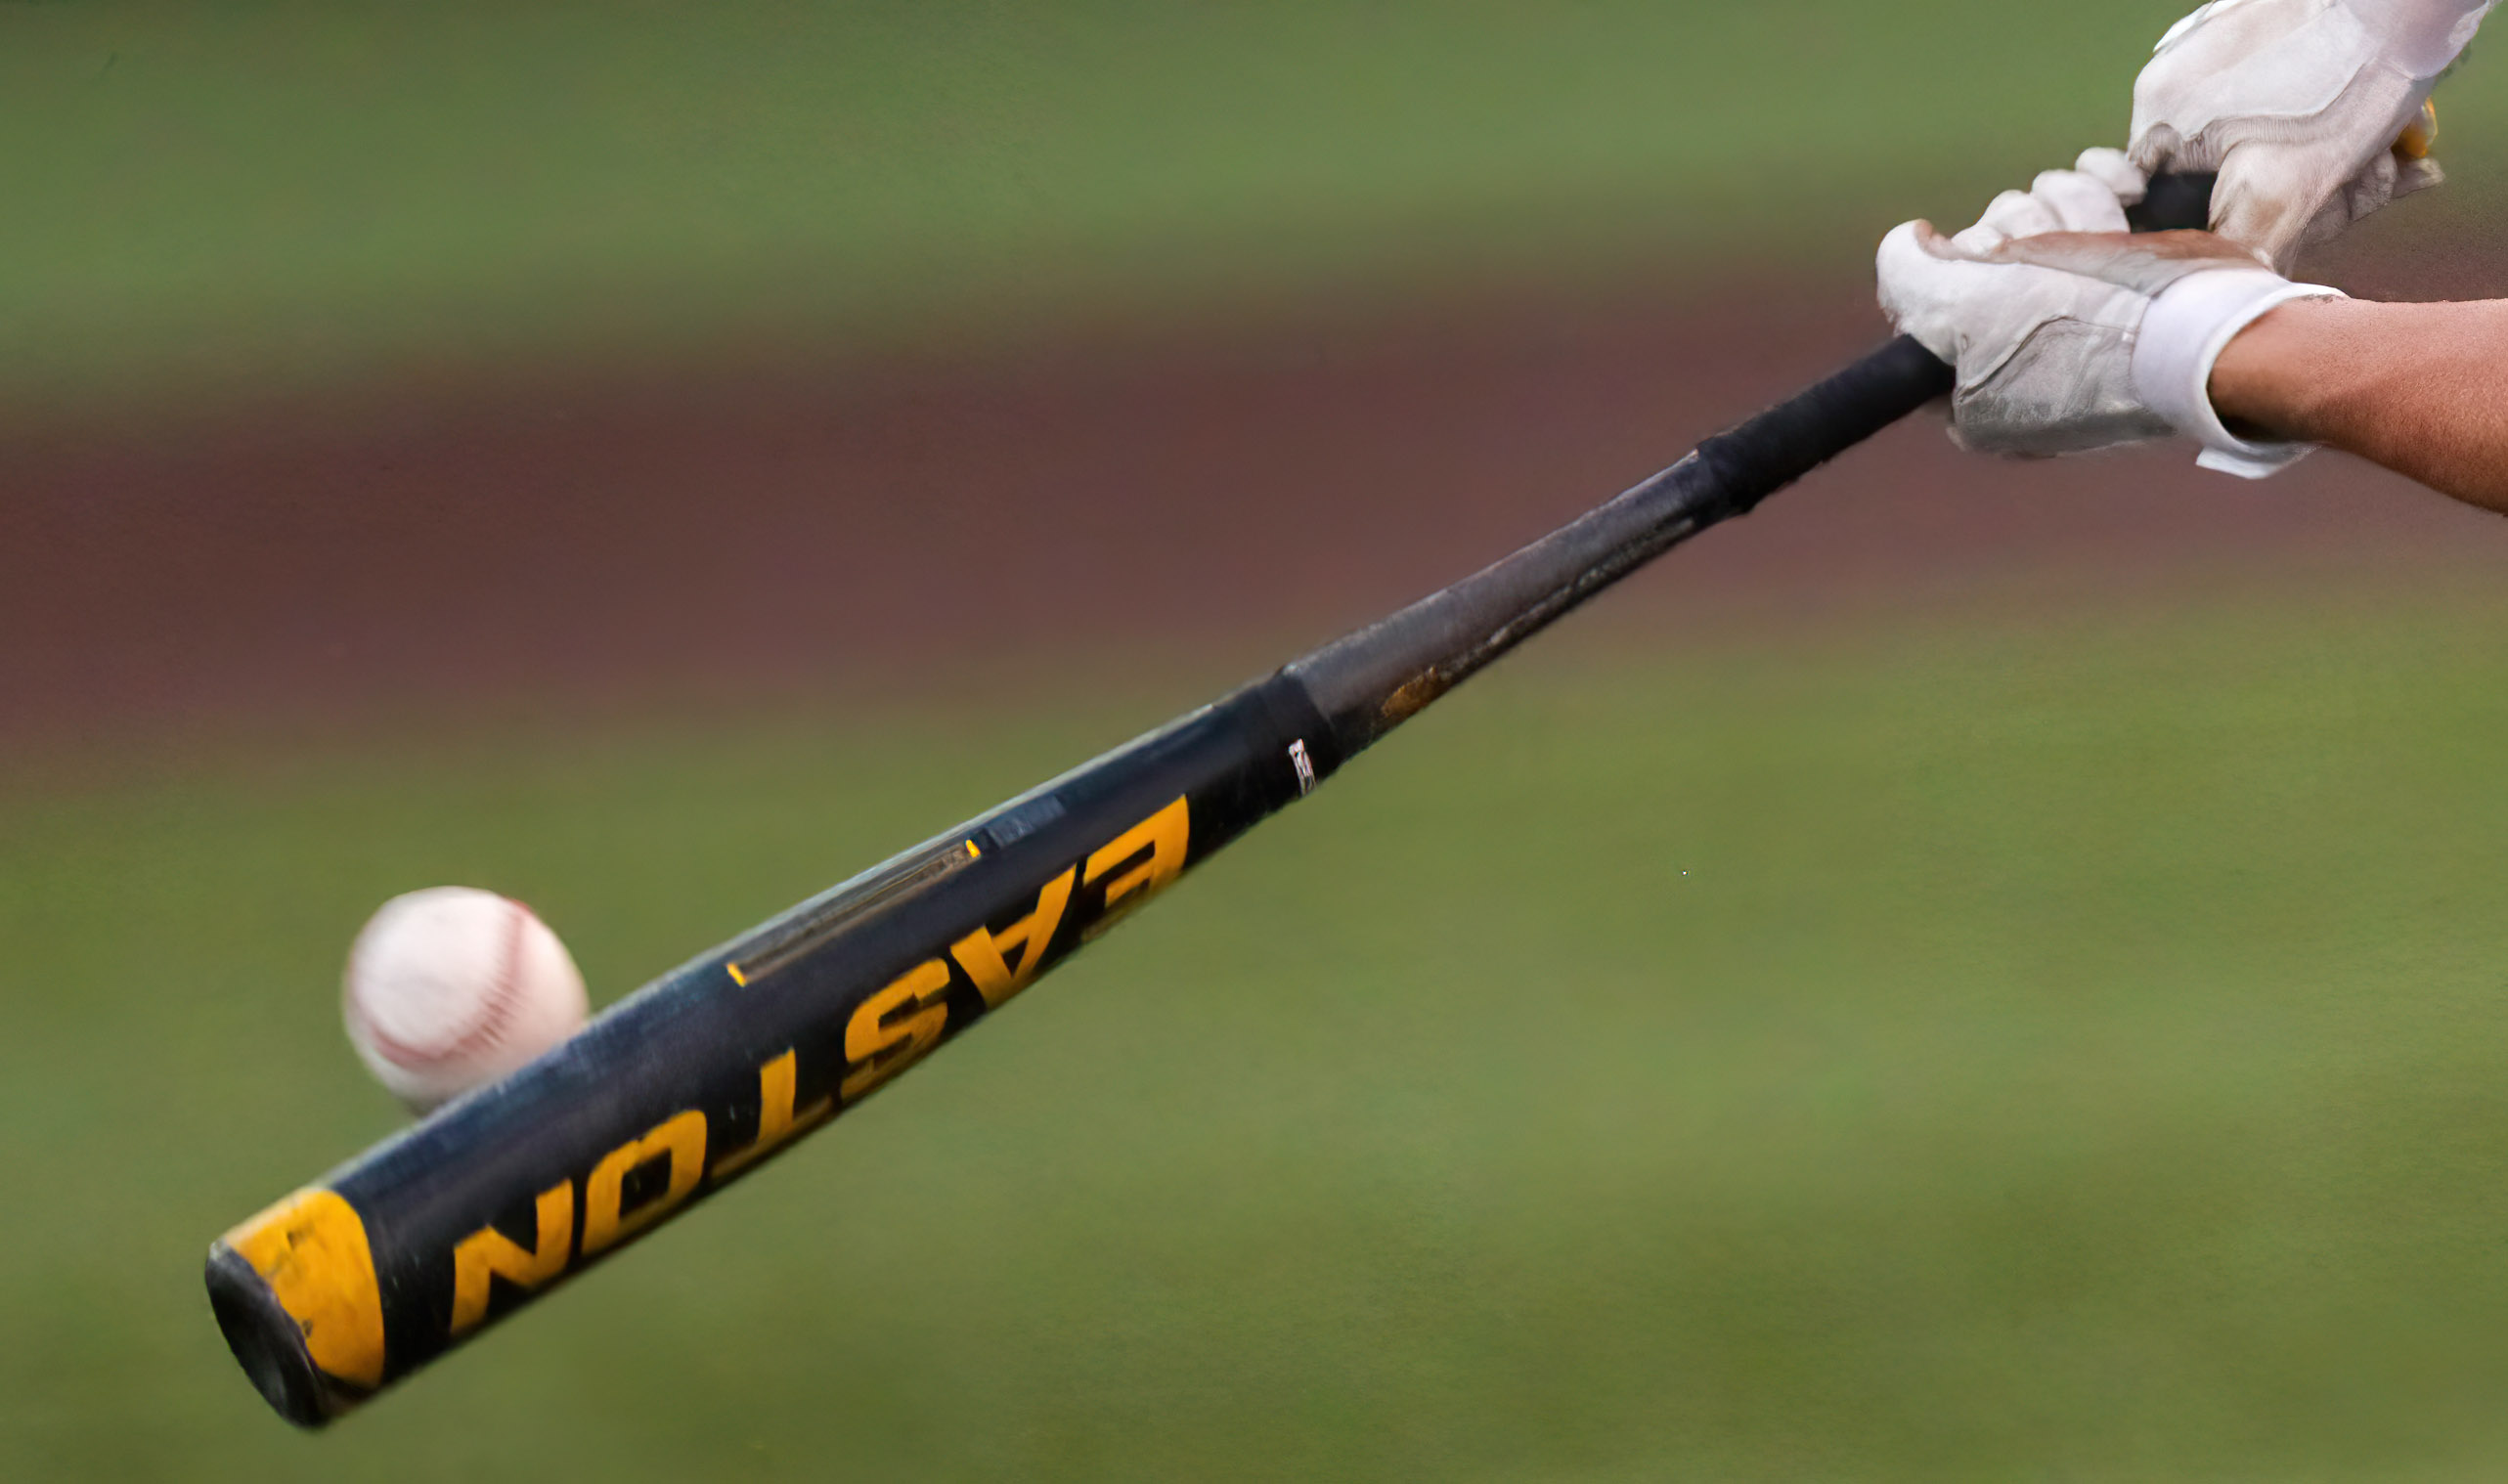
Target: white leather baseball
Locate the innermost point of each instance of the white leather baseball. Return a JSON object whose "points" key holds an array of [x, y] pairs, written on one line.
{"points": [[451, 987]]}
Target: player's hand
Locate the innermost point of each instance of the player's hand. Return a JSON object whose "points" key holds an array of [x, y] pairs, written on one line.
{"points": [[2070, 334], [2313, 111]]}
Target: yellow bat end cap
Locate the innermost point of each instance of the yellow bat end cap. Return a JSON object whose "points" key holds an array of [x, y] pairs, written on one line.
{"points": [[294, 1290]]}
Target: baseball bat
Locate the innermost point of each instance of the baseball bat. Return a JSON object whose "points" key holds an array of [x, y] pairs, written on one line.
{"points": [[420, 1243]]}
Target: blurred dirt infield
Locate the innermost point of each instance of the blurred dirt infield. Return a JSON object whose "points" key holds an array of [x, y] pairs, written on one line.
{"points": [[778, 525]]}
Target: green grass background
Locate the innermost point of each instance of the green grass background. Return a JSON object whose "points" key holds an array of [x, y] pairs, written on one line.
{"points": [[202, 199], [2064, 1053]]}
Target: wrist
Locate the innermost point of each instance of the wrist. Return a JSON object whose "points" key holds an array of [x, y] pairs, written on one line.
{"points": [[2269, 379], [2184, 334]]}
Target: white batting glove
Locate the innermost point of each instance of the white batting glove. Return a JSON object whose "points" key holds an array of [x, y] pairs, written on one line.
{"points": [[2069, 334], [2299, 104]]}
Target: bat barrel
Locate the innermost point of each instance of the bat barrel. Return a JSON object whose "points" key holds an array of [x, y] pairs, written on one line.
{"points": [[425, 1239]]}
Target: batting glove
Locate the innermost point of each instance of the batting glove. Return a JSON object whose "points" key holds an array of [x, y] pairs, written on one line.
{"points": [[2069, 334], [2313, 111]]}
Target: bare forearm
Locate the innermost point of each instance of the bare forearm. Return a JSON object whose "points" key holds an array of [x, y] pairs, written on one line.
{"points": [[2419, 388]]}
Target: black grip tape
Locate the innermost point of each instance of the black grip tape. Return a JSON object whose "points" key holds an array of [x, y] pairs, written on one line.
{"points": [[1754, 460], [2173, 203]]}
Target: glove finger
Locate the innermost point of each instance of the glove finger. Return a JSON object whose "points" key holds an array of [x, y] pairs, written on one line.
{"points": [[2142, 262], [2017, 214], [2164, 152], [2014, 213], [2373, 187], [2159, 148], [2358, 196], [2268, 196], [2417, 175], [2081, 202], [2112, 169], [1923, 280]]}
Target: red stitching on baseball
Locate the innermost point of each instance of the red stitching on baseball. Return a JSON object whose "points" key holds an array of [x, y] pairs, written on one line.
{"points": [[487, 1025]]}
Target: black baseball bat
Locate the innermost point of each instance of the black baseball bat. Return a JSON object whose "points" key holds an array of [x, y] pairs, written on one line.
{"points": [[416, 1245]]}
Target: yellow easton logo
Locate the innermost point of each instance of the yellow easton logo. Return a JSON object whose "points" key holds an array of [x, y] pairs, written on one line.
{"points": [[777, 1122], [678, 1139], [488, 1254], [984, 954], [1137, 864], [890, 1031]]}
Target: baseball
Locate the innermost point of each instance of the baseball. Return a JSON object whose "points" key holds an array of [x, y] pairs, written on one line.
{"points": [[451, 987]]}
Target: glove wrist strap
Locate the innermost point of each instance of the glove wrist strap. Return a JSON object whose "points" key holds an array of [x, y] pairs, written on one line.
{"points": [[2183, 332]]}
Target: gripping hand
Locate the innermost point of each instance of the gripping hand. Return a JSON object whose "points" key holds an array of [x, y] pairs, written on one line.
{"points": [[2314, 112], [2068, 333]]}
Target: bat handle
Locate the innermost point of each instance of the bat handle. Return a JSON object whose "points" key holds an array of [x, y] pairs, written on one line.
{"points": [[1754, 460], [1369, 682], [2173, 203]]}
